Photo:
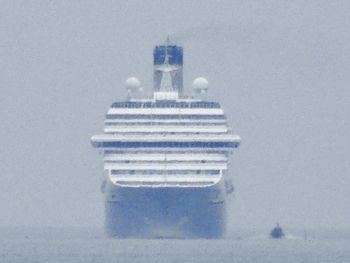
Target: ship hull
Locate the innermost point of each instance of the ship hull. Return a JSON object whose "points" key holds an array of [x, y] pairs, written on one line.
{"points": [[188, 212]]}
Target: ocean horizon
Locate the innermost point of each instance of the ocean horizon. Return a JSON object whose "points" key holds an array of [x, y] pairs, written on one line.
{"points": [[89, 244]]}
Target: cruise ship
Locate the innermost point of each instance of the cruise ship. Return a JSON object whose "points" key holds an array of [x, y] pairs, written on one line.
{"points": [[166, 157]]}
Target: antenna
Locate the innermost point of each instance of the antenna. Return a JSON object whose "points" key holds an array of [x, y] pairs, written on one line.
{"points": [[167, 44], [167, 41]]}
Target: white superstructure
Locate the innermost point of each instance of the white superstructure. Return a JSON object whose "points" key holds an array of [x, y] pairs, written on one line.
{"points": [[163, 143]]}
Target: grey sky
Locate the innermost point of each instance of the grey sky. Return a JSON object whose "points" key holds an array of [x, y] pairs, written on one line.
{"points": [[280, 69]]}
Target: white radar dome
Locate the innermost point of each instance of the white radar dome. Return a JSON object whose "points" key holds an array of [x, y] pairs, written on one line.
{"points": [[132, 84], [200, 85]]}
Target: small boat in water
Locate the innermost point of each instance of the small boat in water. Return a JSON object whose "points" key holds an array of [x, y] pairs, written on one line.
{"points": [[277, 232]]}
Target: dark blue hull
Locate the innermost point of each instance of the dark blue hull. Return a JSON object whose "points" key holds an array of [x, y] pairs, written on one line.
{"points": [[165, 212]]}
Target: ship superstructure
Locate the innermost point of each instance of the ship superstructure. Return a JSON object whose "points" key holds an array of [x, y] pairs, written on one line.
{"points": [[166, 158]]}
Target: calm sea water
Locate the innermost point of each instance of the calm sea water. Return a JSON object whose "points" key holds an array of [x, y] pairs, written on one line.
{"points": [[90, 245]]}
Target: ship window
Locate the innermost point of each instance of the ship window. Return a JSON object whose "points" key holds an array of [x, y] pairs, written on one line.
{"points": [[164, 172], [167, 144], [165, 104], [162, 124], [165, 116]]}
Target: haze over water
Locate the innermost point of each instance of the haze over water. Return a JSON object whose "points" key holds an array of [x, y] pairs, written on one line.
{"points": [[280, 70], [90, 245]]}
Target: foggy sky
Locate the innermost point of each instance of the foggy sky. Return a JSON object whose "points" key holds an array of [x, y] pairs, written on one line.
{"points": [[279, 68]]}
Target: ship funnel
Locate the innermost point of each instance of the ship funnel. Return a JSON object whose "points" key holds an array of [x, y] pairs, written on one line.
{"points": [[168, 62]]}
